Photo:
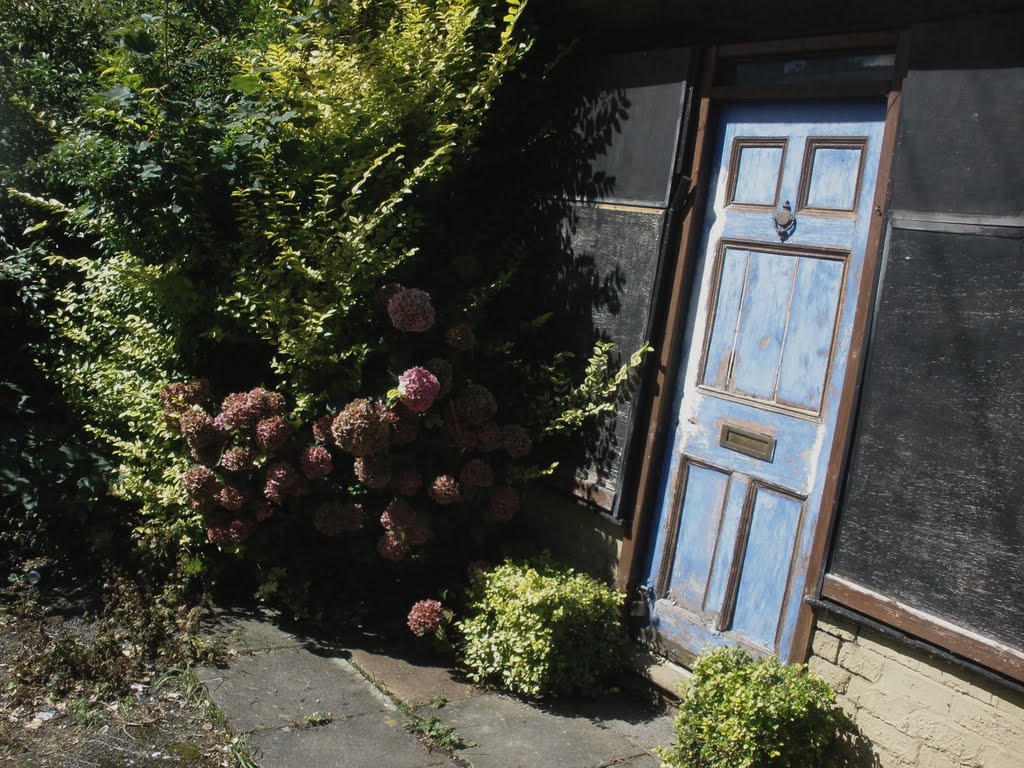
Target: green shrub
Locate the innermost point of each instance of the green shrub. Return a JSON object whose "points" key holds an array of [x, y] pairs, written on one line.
{"points": [[538, 628], [739, 712]]}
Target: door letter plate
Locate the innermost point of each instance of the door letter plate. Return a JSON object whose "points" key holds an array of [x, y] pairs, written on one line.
{"points": [[746, 442]]}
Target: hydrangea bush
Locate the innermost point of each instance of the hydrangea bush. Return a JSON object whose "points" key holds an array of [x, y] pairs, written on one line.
{"points": [[383, 470]]}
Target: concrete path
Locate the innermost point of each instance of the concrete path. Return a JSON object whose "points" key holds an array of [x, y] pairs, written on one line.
{"points": [[307, 704]]}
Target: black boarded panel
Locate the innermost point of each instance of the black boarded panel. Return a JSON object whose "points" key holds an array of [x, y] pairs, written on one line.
{"points": [[631, 107], [932, 514], [962, 120], [617, 252]]}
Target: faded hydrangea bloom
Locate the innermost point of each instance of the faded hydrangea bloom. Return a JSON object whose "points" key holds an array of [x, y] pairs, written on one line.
{"points": [[272, 433], [336, 517], [406, 481], [418, 388], [405, 425], [373, 471], [398, 516], [361, 428], [411, 311], [242, 409], [237, 459], [477, 473], [230, 533], [460, 337], [282, 479], [232, 498], [426, 617], [322, 430], [489, 438], [504, 503], [200, 430], [200, 483], [391, 547], [475, 404], [516, 441], [315, 461], [445, 490]]}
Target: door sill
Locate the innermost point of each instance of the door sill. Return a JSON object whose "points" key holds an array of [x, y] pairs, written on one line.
{"points": [[660, 672]]}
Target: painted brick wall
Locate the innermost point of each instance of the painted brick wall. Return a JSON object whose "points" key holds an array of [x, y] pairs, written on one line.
{"points": [[915, 710]]}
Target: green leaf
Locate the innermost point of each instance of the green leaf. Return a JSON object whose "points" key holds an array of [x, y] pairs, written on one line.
{"points": [[248, 84]]}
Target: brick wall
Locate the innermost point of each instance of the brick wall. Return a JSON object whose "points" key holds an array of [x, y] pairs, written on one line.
{"points": [[914, 710]]}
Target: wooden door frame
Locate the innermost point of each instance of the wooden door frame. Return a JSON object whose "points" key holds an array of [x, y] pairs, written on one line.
{"points": [[669, 349]]}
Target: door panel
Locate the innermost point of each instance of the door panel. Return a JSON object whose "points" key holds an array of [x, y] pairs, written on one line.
{"points": [[764, 572], [767, 339]]}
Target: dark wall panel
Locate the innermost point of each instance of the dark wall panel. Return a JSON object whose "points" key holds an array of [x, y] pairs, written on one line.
{"points": [[629, 107], [620, 250], [933, 514], [628, 113], [962, 126]]}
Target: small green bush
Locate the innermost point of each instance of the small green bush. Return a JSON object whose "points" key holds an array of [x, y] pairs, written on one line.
{"points": [[537, 628], [739, 712]]}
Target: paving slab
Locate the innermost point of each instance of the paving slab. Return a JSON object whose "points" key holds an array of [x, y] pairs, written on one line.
{"points": [[640, 724], [412, 680], [376, 740], [281, 688], [509, 733], [245, 631]]}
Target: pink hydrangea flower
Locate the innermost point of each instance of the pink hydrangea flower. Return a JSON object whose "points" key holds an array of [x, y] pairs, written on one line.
{"points": [[398, 516], [445, 490], [232, 498], [235, 532], [475, 405], [405, 425], [418, 389], [516, 441], [411, 311], [372, 471], [236, 459], [272, 433], [322, 430], [460, 337], [426, 617], [489, 438], [361, 428], [477, 473], [391, 547], [179, 394], [335, 517], [200, 429], [504, 503], [315, 461], [242, 409], [200, 483], [406, 481], [282, 479]]}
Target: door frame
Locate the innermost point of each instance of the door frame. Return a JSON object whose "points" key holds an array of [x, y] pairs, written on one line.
{"points": [[672, 324]]}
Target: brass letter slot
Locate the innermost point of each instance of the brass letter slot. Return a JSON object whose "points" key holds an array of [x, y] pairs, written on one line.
{"points": [[746, 442]]}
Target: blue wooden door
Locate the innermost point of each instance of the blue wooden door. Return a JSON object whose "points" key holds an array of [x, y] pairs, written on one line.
{"points": [[766, 352]]}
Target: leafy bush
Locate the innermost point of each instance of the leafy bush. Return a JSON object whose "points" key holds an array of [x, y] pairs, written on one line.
{"points": [[221, 194], [537, 628], [738, 712], [231, 192]]}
